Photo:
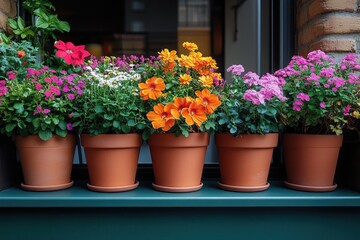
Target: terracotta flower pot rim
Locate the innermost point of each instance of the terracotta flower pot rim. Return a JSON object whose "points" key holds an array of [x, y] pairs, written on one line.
{"points": [[333, 141], [193, 140], [129, 140], [269, 140], [21, 141]]}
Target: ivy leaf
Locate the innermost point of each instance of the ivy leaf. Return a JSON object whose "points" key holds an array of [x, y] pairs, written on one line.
{"points": [[131, 123]]}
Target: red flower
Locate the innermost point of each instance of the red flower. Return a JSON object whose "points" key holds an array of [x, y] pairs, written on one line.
{"points": [[21, 54], [72, 54]]}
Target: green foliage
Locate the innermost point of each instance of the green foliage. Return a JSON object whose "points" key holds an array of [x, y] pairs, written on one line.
{"points": [[43, 27], [110, 103], [16, 56]]}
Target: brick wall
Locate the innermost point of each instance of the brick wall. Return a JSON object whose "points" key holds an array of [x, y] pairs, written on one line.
{"points": [[7, 9], [332, 26]]}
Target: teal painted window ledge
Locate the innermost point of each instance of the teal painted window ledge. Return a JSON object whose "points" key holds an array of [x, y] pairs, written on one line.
{"points": [[209, 196]]}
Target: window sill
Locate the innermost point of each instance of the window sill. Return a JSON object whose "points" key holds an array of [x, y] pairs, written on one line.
{"points": [[209, 196]]}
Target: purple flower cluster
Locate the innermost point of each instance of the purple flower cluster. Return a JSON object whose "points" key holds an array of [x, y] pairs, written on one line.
{"points": [[258, 90]]}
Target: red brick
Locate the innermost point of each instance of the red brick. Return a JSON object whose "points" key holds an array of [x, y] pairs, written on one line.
{"points": [[332, 24], [8, 7], [334, 45], [318, 7]]}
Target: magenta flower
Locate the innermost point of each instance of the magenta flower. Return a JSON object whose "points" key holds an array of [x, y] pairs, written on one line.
{"points": [[46, 111], [303, 96], [236, 69], [71, 96], [322, 105], [347, 110], [69, 127], [38, 86]]}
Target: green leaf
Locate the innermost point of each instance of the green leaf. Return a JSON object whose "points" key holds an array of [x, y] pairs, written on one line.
{"points": [[116, 124], [18, 105], [62, 125], [222, 121], [41, 23], [63, 26], [131, 123], [99, 109], [233, 130], [45, 135], [125, 128], [55, 120], [21, 23], [9, 127], [108, 117], [140, 126], [60, 132], [12, 23]]}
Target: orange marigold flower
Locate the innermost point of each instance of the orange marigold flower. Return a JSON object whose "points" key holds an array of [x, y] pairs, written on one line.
{"points": [[195, 113], [152, 88], [185, 79], [208, 100], [168, 67], [207, 81], [187, 61], [161, 117], [180, 104], [190, 46], [167, 56]]}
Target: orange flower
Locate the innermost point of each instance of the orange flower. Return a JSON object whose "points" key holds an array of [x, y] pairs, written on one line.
{"points": [[190, 46], [167, 56], [152, 88], [168, 67], [161, 117], [207, 81], [208, 100], [195, 113], [185, 79], [180, 104]]}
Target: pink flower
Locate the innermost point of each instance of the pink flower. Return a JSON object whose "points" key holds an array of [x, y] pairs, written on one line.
{"points": [[71, 96], [347, 110], [38, 86], [322, 105], [236, 69], [69, 127], [255, 97], [313, 77], [298, 102], [3, 90], [303, 96], [38, 109], [72, 54], [46, 111], [297, 108], [251, 78]]}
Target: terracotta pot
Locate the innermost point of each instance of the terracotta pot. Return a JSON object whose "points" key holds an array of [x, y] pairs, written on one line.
{"points": [[245, 160], [178, 161], [46, 165], [310, 161], [112, 161]]}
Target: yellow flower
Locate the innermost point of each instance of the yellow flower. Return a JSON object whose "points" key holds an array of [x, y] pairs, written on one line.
{"points": [[167, 56], [192, 47], [185, 79], [356, 114], [207, 81]]}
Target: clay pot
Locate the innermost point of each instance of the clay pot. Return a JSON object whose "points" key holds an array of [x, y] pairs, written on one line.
{"points": [[112, 161], [178, 161], [245, 160], [310, 161], [46, 165]]}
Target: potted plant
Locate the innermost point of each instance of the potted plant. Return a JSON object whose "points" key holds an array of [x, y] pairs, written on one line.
{"points": [[178, 93], [36, 110], [13, 56], [248, 124], [322, 101], [111, 121]]}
